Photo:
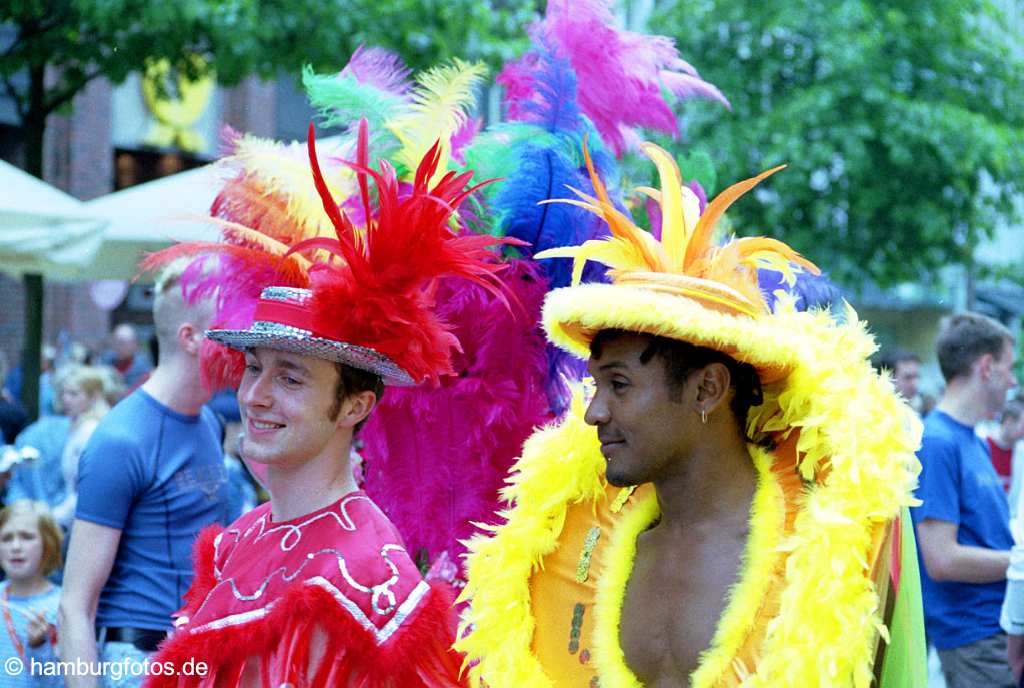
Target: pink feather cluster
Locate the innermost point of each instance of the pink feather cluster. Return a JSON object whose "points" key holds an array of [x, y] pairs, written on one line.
{"points": [[236, 269], [435, 459], [620, 73]]}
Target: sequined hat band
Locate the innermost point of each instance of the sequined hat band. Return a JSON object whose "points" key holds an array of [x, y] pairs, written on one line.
{"points": [[284, 321]]}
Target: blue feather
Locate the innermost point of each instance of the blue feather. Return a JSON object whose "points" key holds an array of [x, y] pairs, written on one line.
{"points": [[554, 107], [810, 291], [543, 174]]}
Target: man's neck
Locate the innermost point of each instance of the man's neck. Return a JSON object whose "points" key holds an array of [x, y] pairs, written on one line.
{"points": [[300, 490], [175, 384], [960, 402], [716, 483]]}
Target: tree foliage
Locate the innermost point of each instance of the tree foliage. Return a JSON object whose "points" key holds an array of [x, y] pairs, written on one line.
{"points": [[50, 50], [902, 122], [56, 47]]}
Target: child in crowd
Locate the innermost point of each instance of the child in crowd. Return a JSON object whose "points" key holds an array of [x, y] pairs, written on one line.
{"points": [[30, 550]]}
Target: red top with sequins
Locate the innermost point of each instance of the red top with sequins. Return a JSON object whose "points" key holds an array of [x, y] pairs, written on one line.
{"points": [[329, 598]]}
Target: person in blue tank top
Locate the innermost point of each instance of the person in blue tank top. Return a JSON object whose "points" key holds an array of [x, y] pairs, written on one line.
{"points": [[962, 523], [151, 477]]}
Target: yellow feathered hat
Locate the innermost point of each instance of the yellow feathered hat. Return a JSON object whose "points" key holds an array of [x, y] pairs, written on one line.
{"points": [[683, 287]]}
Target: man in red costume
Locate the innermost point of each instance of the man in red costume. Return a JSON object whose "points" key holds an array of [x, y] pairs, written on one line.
{"points": [[315, 588]]}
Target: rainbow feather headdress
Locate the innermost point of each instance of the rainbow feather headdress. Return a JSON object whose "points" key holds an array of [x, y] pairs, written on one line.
{"points": [[682, 287], [361, 292]]}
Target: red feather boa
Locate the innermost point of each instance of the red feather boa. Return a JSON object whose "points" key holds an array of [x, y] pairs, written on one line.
{"points": [[418, 655]]}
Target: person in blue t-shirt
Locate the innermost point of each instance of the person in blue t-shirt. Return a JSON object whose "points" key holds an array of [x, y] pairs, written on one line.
{"points": [[151, 477], [963, 529], [41, 480]]}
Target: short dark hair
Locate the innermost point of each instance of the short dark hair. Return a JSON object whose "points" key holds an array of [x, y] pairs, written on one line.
{"points": [[353, 381], [966, 337], [682, 358], [889, 359]]}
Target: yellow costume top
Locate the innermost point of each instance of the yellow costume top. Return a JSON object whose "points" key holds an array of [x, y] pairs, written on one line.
{"points": [[828, 592]]}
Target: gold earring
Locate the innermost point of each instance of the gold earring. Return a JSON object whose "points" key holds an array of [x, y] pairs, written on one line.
{"points": [[703, 416]]}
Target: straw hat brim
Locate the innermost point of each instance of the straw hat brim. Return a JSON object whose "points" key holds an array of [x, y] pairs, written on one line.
{"points": [[573, 316]]}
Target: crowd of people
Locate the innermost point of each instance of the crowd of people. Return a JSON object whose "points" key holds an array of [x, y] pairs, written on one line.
{"points": [[668, 462], [970, 489], [128, 480], [130, 565], [126, 526], [132, 523]]}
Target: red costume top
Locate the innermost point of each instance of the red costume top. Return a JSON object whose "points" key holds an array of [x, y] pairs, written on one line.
{"points": [[327, 599]]}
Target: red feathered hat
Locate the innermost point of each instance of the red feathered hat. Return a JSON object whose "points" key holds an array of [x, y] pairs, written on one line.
{"points": [[369, 300]]}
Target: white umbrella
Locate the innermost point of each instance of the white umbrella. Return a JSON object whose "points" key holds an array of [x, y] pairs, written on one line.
{"points": [[42, 229], [154, 215]]}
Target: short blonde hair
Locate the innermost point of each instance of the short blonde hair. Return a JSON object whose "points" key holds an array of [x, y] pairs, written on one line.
{"points": [[97, 383], [171, 308], [49, 531]]}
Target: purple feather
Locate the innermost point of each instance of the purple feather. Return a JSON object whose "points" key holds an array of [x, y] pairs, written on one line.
{"points": [[541, 89], [698, 190], [462, 137], [379, 68], [686, 86], [436, 458], [518, 77]]}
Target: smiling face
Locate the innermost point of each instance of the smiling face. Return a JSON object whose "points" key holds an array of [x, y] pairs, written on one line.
{"points": [[646, 427], [286, 401], [21, 548]]}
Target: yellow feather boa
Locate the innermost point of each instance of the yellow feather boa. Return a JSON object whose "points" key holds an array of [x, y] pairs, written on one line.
{"points": [[746, 597], [855, 442]]}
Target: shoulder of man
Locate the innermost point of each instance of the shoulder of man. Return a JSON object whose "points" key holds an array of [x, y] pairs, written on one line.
{"points": [[119, 443], [941, 433]]}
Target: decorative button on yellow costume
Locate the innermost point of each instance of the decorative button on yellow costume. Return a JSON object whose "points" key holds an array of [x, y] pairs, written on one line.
{"points": [[828, 592]]}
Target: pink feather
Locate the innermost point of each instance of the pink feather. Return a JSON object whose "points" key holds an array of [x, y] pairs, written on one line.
{"points": [[620, 73], [462, 137], [518, 78], [436, 458]]}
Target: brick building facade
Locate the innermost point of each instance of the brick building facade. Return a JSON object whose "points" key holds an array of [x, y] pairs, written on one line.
{"points": [[79, 158]]}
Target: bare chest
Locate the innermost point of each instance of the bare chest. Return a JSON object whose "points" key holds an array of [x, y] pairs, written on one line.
{"points": [[675, 597]]}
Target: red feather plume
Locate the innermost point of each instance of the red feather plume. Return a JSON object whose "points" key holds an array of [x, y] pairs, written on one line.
{"points": [[379, 293]]}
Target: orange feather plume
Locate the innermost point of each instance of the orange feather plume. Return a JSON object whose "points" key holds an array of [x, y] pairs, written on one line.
{"points": [[687, 247]]}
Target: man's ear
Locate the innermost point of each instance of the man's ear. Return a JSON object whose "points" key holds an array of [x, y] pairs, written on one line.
{"points": [[356, 407], [189, 338], [713, 382], [984, 365]]}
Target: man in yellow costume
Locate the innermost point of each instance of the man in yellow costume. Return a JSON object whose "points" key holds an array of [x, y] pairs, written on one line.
{"points": [[726, 505]]}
